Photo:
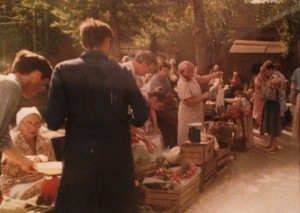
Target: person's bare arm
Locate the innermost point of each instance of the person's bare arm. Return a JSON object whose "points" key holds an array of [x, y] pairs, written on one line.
{"points": [[149, 144], [16, 156], [153, 117], [293, 86], [206, 78]]}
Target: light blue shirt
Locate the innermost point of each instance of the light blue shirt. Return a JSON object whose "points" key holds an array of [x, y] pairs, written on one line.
{"points": [[10, 95], [296, 78]]}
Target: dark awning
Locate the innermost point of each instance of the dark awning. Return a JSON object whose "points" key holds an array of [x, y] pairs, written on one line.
{"points": [[247, 46]]}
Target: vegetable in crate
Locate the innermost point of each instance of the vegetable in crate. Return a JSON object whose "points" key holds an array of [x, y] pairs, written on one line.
{"points": [[233, 111]]}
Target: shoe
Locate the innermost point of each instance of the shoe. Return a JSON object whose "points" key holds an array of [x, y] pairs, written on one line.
{"points": [[273, 149], [268, 146]]}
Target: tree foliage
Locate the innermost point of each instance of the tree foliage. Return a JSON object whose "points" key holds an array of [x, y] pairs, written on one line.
{"points": [[167, 25]]}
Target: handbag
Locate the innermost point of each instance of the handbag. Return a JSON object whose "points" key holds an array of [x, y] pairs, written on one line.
{"points": [[271, 93], [293, 97]]}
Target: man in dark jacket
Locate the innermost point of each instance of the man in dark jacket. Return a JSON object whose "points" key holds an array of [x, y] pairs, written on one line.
{"points": [[92, 95]]}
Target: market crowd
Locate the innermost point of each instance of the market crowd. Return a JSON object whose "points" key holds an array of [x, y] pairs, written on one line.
{"points": [[105, 106]]}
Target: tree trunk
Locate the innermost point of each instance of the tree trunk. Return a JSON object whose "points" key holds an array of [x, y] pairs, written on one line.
{"points": [[116, 45], [202, 59], [46, 32]]}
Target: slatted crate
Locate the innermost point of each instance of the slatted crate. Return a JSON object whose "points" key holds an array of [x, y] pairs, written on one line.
{"points": [[159, 209], [183, 195], [222, 156], [142, 169], [197, 153]]}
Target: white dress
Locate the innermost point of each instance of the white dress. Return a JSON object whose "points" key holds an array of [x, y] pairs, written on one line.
{"points": [[186, 114]]}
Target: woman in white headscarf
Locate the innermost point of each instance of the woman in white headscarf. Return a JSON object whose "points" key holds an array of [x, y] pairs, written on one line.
{"points": [[14, 181], [191, 98]]}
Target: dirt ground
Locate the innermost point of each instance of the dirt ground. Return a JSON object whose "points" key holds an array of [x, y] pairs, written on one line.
{"points": [[258, 181]]}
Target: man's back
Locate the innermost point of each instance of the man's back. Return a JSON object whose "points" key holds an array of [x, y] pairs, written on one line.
{"points": [[96, 91]]}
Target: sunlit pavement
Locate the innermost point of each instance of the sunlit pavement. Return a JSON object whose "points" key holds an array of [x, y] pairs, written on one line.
{"points": [[258, 181]]}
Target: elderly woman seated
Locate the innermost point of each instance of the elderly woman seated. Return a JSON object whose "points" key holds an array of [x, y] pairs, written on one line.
{"points": [[14, 181]]}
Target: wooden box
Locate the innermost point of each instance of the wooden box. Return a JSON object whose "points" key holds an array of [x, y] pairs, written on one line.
{"points": [[224, 161], [161, 209], [142, 169], [209, 169], [221, 152], [222, 156], [183, 195], [197, 153], [224, 132]]}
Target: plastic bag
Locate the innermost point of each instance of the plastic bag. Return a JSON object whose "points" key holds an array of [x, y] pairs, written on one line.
{"points": [[220, 101]]}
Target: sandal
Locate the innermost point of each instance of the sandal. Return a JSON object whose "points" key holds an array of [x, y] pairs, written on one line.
{"points": [[268, 146], [273, 149]]}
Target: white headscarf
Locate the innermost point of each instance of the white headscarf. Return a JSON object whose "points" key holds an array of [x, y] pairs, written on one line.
{"points": [[21, 114], [24, 112]]}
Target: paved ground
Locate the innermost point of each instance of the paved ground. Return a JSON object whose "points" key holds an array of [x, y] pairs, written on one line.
{"points": [[256, 182]]}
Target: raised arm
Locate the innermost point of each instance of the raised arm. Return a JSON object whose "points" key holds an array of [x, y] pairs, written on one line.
{"points": [[203, 79]]}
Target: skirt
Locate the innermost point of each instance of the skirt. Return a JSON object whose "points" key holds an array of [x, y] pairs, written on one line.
{"points": [[271, 121]]}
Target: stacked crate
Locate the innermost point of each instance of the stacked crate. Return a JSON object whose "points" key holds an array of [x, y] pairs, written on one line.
{"points": [[222, 156], [182, 196], [197, 153], [209, 172], [201, 154], [142, 169]]}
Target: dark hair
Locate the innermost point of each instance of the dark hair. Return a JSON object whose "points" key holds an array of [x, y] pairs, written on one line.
{"points": [[165, 65], [161, 96], [270, 66], [26, 62], [277, 66], [145, 56], [93, 32]]}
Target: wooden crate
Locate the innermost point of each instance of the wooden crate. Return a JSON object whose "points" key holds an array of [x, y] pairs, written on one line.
{"points": [[161, 209], [221, 152], [223, 131], [224, 161], [197, 153], [209, 169], [182, 196], [142, 169]]}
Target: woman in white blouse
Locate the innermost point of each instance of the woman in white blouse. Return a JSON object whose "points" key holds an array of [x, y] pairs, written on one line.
{"points": [[191, 97]]}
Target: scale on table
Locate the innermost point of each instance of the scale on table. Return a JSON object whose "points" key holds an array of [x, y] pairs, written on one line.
{"points": [[194, 133]]}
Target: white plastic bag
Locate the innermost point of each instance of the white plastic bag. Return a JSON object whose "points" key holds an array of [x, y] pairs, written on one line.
{"points": [[172, 155], [220, 101]]}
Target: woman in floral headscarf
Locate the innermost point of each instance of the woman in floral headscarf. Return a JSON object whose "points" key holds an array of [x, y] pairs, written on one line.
{"points": [[191, 97], [14, 181]]}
